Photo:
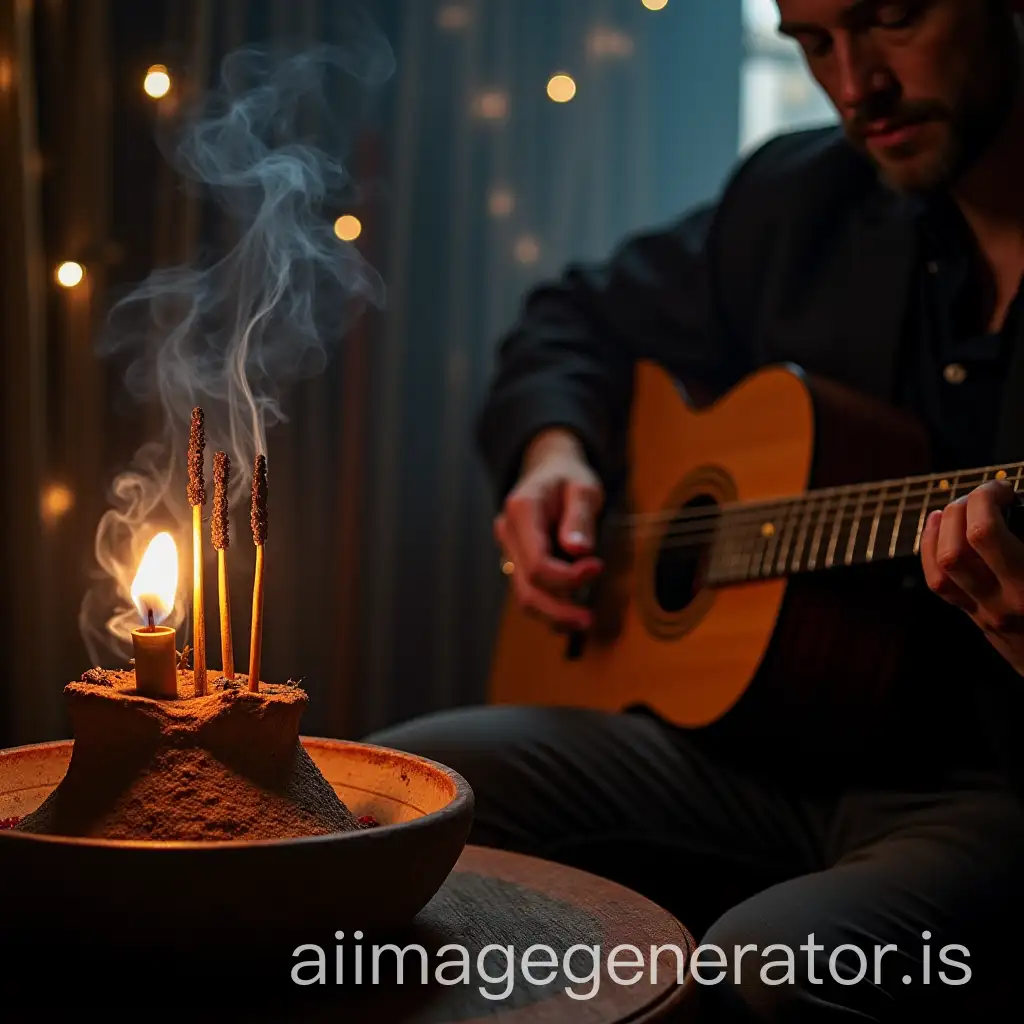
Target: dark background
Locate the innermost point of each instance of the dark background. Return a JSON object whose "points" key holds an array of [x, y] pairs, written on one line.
{"points": [[383, 591]]}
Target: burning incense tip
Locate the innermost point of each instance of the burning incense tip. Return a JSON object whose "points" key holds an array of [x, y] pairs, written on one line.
{"points": [[221, 480], [196, 448], [258, 515]]}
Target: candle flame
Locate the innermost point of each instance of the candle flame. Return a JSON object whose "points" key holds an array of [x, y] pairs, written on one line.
{"points": [[156, 582]]}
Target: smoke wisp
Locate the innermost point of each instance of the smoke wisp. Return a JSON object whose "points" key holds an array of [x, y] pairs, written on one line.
{"points": [[232, 333]]}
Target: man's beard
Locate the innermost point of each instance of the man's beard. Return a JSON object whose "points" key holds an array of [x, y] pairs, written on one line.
{"points": [[970, 126]]}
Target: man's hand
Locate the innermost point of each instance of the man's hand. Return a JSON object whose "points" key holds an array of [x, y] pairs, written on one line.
{"points": [[556, 489], [973, 561]]}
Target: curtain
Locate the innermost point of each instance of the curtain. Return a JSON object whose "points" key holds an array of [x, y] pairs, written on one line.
{"points": [[469, 184]]}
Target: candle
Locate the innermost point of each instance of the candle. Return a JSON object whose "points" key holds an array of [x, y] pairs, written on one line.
{"points": [[153, 590]]}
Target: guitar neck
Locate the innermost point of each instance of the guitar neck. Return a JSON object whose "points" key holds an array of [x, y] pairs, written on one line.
{"points": [[838, 526]]}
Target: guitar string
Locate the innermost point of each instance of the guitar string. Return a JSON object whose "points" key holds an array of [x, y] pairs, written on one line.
{"points": [[741, 548], [812, 520], [759, 513], [955, 482]]}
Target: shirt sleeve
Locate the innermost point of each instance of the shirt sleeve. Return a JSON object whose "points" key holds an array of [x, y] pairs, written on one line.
{"points": [[568, 360]]}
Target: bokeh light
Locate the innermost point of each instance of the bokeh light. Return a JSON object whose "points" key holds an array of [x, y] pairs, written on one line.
{"points": [[348, 228], [655, 5], [561, 88], [56, 502], [157, 82], [527, 249], [491, 105], [501, 202], [70, 274], [453, 17]]}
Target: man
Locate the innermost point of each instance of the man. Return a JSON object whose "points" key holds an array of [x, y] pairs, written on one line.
{"points": [[886, 254]]}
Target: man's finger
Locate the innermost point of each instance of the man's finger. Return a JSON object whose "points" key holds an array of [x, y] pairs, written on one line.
{"points": [[989, 535], [526, 528], [937, 580], [560, 613], [550, 573], [958, 560], [527, 537], [578, 524]]}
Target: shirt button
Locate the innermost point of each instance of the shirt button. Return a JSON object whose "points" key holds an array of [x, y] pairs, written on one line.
{"points": [[954, 374]]}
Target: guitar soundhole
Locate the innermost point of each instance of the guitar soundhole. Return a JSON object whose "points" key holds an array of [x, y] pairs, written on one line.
{"points": [[681, 563]]}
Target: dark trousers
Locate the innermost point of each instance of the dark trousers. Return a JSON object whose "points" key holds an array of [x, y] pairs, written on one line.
{"points": [[744, 859]]}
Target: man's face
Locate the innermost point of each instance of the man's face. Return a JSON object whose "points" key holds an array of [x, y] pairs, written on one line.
{"points": [[922, 86]]}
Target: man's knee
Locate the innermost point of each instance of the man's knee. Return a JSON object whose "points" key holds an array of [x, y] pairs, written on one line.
{"points": [[750, 966], [468, 740], [507, 754], [738, 973]]}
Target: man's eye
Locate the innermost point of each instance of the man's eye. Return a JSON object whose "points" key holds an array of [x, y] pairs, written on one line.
{"points": [[816, 46], [895, 15]]}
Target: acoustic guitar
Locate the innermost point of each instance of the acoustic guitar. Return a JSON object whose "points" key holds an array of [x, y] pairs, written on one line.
{"points": [[760, 560]]}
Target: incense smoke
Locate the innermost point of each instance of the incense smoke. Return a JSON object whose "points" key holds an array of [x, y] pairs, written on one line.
{"points": [[233, 333]]}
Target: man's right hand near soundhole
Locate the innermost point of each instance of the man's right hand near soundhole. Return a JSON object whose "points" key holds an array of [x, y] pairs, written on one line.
{"points": [[557, 494]]}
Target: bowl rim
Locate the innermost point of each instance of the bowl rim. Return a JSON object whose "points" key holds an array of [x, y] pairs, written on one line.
{"points": [[462, 803]]}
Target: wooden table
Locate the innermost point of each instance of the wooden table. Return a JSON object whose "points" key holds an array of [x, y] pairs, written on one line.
{"points": [[490, 898], [493, 897]]}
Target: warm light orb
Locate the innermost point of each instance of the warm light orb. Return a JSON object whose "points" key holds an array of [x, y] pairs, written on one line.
{"points": [[561, 88], [655, 5], [348, 228], [453, 16], [156, 581], [491, 105], [527, 249], [157, 82], [57, 501], [501, 202], [70, 274]]}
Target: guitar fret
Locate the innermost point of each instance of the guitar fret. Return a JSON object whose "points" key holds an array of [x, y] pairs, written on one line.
{"points": [[805, 522], [899, 520], [770, 548], [874, 526], [756, 559], [780, 567], [767, 539], [923, 517], [836, 530], [852, 543], [816, 541]]}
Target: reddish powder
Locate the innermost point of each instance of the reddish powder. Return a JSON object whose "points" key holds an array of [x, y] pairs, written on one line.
{"points": [[227, 765]]}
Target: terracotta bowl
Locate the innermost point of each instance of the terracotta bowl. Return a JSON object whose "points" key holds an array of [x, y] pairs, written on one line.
{"points": [[200, 896]]}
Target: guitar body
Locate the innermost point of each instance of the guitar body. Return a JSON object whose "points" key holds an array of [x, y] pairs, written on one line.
{"points": [[795, 656]]}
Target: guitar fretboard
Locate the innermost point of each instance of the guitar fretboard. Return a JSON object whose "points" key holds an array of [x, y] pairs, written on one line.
{"points": [[838, 526]]}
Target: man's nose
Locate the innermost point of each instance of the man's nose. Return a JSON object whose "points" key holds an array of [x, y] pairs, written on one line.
{"points": [[863, 73]]}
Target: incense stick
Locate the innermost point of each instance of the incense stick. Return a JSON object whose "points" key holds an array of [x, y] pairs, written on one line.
{"points": [[197, 499], [221, 540], [258, 518]]}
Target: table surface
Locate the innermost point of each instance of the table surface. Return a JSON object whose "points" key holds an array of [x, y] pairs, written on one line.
{"points": [[495, 897], [491, 898]]}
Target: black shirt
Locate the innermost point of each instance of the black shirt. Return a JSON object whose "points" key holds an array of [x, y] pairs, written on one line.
{"points": [[955, 370], [954, 373]]}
